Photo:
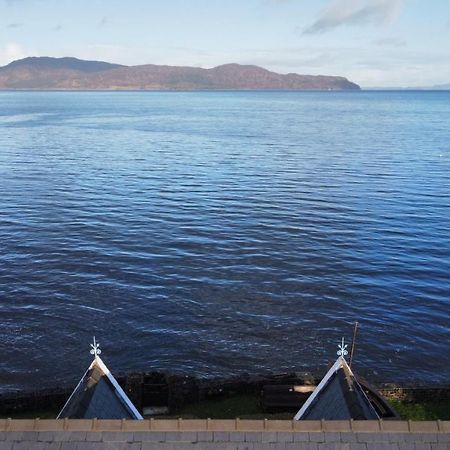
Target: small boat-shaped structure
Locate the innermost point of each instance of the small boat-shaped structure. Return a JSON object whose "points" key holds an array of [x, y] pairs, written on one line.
{"points": [[340, 396], [98, 395]]}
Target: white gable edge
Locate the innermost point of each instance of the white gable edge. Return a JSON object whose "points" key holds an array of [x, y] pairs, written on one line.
{"points": [[123, 396], [75, 390], [336, 366]]}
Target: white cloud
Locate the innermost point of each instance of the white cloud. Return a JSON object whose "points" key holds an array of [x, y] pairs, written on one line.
{"points": [[390, 42], [355, 12], [12, 51]]}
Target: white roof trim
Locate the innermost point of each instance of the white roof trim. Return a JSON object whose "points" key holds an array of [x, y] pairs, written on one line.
{"points": [[336, 366], [120, 391], [73, 392], [340, 362]]}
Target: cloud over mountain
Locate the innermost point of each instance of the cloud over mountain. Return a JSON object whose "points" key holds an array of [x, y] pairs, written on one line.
{"points": [[354, 12]]}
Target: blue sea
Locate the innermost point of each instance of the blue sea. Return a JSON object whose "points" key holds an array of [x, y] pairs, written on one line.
{"points": [[222, 233]]}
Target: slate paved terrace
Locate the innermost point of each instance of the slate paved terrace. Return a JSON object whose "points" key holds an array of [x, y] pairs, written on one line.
{"points": [[222, 435]]}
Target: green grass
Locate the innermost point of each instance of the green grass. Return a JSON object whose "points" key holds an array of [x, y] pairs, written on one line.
{"points": [[244, 406], [422, 411]]}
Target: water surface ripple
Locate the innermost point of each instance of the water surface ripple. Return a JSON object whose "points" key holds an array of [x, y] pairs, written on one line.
{"points": [[221, 233]]}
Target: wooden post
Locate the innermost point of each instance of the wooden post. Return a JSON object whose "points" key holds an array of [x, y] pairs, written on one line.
{"points": [[355, 330]]}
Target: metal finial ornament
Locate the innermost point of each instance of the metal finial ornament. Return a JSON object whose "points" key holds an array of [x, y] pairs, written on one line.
{"points": [[342, 349], [95, 348]]}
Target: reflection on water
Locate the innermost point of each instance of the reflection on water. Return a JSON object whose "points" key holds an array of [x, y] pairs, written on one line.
{"points": [[221, 233]]}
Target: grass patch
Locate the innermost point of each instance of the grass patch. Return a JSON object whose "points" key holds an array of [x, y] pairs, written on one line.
{"points": [[244, 406], [247, 406], [423, 410]]}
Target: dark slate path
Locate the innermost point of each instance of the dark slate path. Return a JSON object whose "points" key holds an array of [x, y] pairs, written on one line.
{"points": [[224, 435]]}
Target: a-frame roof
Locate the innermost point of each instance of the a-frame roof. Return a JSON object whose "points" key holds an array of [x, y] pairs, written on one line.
{"points": [[98, 395], [338, 396]]}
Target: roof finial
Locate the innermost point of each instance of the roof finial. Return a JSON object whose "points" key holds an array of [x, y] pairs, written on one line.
{"points": [[95, 349], [342, 349]]}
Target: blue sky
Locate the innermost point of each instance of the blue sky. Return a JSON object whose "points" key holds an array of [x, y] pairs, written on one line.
{"points": [[372, 42]]}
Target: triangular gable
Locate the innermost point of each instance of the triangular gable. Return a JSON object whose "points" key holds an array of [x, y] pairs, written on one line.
{"points": [[338, 396], [98, 395]]}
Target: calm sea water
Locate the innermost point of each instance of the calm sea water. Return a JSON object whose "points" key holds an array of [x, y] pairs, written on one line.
{"points": [[222, 233]]}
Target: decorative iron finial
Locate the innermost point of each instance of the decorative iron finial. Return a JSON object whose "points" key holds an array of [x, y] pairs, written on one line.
{"points": [[342, 349], [95, 349]]}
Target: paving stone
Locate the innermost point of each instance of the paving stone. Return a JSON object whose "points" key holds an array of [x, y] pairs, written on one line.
{"points": [[383, 437], [38, 445], [116, 436], [440, 446], [302, 446], [285, 436], [396, 437], [332, 436], [21, 436], [13, 435], [46, 436], [404, 446], [93, 436], [348, 437], [431, 437], [76, 436], [317, 437], [131, 446], [22, 445], [149, 436], [300, 437], [207, 436], [221, 436], [69, 445], [251, 436], [246, 446], [60, 436], [269, 436], [350, 446], [277, 446], [237, 436], [108, 445], [421, 437], [86, 445], [266, 446], [2, 435], [225, 446], [358, 446], [382, 446], [422, 446], [367, 437], [443, 437], [335, 446], [181, 436], [53, 446], [212, 446], [151, 446]]}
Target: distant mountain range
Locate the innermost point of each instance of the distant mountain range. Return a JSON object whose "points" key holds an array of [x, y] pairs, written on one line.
{"points": [[437, 87], [75, 74], [440, 87]]}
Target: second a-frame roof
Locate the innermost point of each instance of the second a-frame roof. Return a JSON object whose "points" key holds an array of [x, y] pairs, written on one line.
{"points": [[98, 395], [338, 396]]}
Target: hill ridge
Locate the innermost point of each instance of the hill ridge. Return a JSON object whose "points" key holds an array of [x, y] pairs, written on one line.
{"points": [[70, 73]]}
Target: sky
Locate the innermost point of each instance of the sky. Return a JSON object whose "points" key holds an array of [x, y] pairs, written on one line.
{"points": [[375, 43]]}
